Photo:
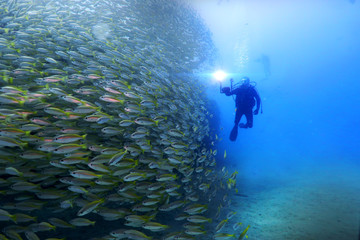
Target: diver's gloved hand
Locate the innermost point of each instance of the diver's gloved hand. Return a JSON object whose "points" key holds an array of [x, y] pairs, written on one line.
{"points": [[256, 111]]}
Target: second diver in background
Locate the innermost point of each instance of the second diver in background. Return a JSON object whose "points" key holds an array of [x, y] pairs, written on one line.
{"points": [[246, 95]]}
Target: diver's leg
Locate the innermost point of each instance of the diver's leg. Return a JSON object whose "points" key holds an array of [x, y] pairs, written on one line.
{"points": [[234, 131], [238, 115], [242, 125], [249, 118]]}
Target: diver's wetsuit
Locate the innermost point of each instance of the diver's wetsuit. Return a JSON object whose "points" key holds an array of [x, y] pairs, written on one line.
{"points": [[245, 101]]}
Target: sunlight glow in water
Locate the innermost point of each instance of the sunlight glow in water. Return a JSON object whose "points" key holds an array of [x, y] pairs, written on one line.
{"points": [[220, 75]]}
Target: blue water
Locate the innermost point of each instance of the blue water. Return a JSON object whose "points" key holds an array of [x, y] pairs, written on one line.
{"points": [[304, 58], [310, 98]]}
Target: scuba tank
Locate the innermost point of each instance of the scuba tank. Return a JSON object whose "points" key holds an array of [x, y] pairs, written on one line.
{"points": [[237, 85]]}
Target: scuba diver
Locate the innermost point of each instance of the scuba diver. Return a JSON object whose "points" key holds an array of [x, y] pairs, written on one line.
{"points": [[246, 95]]}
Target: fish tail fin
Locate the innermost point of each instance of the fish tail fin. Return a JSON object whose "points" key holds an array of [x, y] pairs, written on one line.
{"points": [[13, 218], [22, 102], [22, 145], [152, 215]]}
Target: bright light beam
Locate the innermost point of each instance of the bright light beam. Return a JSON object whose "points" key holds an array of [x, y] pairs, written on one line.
{"points": [[220, 75]]}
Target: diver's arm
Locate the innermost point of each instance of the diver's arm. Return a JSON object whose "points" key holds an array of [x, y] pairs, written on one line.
{"points": [[233, 92], [227, 91], [258, 101]]}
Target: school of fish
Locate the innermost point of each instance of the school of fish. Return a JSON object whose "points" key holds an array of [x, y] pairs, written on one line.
{"points": [[103, 125]]}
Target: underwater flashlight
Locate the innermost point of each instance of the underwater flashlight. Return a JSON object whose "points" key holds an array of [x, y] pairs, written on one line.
{"points": [[220, 75]]}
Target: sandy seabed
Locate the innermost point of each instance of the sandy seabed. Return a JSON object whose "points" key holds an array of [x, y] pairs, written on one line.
{"points": [[317, 203]]}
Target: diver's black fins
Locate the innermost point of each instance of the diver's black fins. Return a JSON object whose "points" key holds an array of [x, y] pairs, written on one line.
{"points": [[233, 134]]}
